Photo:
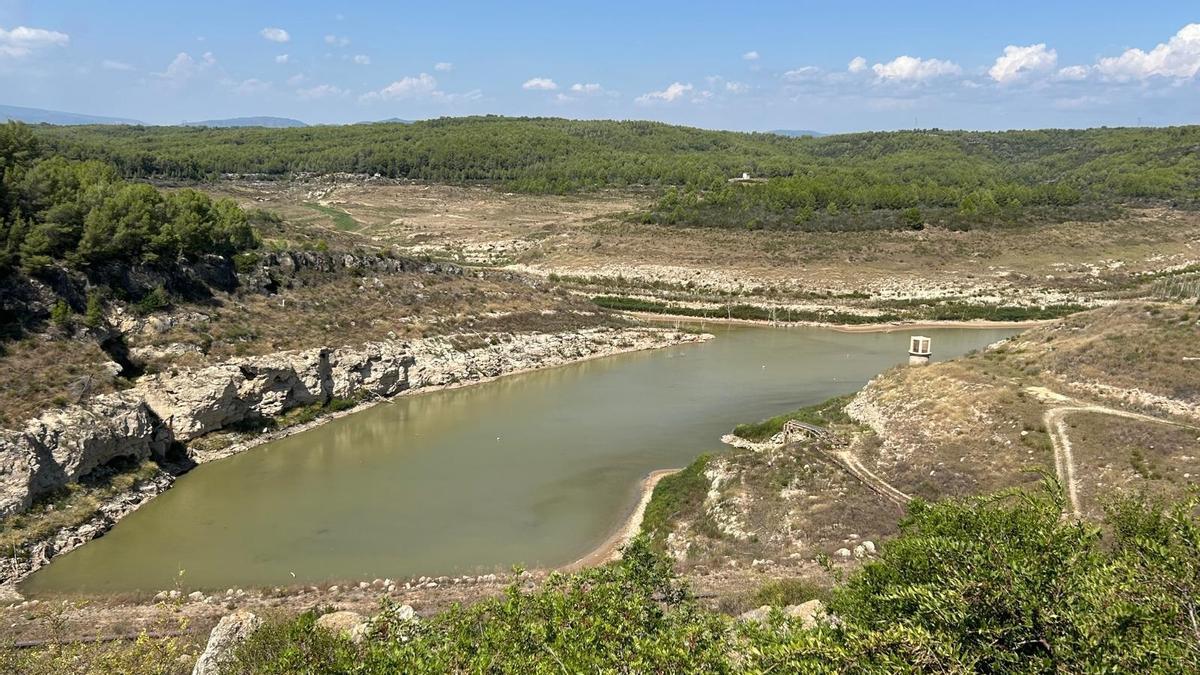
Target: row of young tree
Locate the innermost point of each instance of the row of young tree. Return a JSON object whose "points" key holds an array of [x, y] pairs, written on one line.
{"points": [[81, 212]]}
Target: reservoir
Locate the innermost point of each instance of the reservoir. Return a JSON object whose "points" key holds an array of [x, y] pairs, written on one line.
{"points": [[536, 468]]}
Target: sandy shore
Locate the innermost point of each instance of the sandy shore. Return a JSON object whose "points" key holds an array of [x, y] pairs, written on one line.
{"points": [[841, 327], [611, 548]]}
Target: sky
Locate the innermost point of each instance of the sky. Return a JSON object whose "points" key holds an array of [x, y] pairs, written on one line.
{"points": [[728, 65]]}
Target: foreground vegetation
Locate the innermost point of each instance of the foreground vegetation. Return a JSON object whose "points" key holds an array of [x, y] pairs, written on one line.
{"points": [[989, 584]]}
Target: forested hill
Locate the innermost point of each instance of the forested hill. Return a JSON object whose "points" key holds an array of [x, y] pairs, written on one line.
{"points": [[886, 180]]}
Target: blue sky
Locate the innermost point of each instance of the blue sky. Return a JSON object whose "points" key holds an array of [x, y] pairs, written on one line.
{"points": [[731, 65]]}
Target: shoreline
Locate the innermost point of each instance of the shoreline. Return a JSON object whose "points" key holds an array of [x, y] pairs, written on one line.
{"points": [[278, 434], [883, 327], [76, 536], [610, 548]]}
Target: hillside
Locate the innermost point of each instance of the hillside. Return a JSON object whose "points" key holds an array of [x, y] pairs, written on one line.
{"points": [[265, 122], [552, 155], [56, 117]]}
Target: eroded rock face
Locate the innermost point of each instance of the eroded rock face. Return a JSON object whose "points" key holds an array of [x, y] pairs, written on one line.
{"points": [[376, 368], [193, 403], [18, 466], [83, 437], [230, 631], [65, 445]]}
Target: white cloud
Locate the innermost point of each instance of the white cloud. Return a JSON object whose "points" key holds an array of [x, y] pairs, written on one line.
{"points": [[913, 69], [1074, 73], [362, 59], [282, 58], [183, 67], [673, 92], [336, 40], [589, 88], [252, 86], [1179, 57], [1017, 62], [540, 84], [275, 34], [802, 73], [443, 66], [750, 56], [737, 87], [857, 64], [321, 91], [405, 88], [109, 64], [296, 80], [23, 41]]}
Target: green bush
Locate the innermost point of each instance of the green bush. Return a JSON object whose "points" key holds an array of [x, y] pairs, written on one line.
{"points": [[156, 300], [822, 414], [61, 315]]}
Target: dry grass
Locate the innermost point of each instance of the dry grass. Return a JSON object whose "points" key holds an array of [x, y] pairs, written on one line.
{"points": [[1129, 346], [353, 310], [41, 372]]}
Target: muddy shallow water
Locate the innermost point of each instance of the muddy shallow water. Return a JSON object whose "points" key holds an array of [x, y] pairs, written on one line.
{"points": [[536, 468]]}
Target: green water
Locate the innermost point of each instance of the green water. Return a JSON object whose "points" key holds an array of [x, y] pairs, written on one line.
{"points": [[537, 468]]}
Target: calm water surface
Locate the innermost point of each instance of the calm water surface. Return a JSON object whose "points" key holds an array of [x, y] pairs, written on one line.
{"points": [[536, 468]]}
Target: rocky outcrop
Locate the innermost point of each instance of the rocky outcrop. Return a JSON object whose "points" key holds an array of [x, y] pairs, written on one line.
{"points": [[230, 631], [64, 445]]}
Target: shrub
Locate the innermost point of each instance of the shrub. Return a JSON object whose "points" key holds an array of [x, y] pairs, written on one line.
{"points": [[60, 314]]}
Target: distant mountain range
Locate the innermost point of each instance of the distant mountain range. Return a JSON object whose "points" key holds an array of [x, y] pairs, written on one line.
{"points": [[39, 116], [269, 122], [797, 132]]}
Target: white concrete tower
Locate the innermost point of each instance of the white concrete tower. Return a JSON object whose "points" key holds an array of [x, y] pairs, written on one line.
{"points": [[919, 350]]}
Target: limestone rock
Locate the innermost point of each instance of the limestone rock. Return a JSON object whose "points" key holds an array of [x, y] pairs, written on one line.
{"points": [[81, 438], [809, 613], [277, 382], [229, 632], [193, 403], [345, 623], [759, 614], [375, 369], [19, 465]]}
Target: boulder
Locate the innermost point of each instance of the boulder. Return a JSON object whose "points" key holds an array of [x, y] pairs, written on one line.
{"points": [[347, 624], [809, 613], [229, 632], [759, 614]]}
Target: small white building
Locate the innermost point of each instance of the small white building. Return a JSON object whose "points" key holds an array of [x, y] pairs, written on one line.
{"points": [[920, 350]]}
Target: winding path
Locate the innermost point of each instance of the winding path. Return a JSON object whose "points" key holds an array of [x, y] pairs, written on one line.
{"points": [[1056, 428], [879, 486]]}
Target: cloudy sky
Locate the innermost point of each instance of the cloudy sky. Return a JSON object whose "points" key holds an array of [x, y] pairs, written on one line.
{"points": [[731, 65]]}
